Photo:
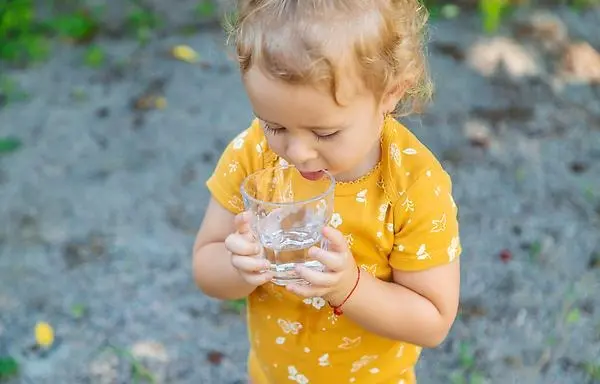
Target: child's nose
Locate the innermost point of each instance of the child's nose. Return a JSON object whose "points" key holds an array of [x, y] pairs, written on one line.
{"points": [[298, 152]]}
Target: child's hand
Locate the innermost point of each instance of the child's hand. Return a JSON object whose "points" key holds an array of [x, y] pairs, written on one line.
{"points": [[246, 253], [340, 271]]}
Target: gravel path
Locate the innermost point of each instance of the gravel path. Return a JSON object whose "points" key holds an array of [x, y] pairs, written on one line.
{"points": [[102, 201]]}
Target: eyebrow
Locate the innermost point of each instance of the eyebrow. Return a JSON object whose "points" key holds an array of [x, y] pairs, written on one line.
{"points": [[314, 128]]}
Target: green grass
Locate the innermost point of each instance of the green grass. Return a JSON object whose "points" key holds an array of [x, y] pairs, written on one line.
{"points": [[467, 372], [593, 371], [139, 373]]}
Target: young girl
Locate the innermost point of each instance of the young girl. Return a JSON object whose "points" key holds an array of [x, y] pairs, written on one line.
{"points": [[323, 78]]}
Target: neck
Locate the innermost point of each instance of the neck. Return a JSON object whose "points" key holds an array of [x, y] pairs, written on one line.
{"points": [[370, 161]]}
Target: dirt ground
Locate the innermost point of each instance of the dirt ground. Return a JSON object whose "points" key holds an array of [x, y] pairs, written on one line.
{"points": [[101, 202]]}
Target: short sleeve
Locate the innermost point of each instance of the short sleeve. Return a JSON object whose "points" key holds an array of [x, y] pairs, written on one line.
{"points": [[426, 229], [242, 156]]}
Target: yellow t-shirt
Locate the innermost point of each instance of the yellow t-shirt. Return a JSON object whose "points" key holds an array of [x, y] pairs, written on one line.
{"points": [[400, 215]]}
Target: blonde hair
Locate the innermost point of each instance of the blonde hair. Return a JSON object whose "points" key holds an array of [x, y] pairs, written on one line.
{"points": [[318, 41]]}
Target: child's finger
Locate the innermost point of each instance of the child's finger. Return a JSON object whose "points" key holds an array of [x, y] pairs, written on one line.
{"points": [[306, 290], [333, 261], [317, 278], [249, 264], [336, 241], [242, 222], [258, 278], [239, 244]]}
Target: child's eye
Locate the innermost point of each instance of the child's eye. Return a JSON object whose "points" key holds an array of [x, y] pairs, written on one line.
{"points": [[328, 136], [272, 130]]}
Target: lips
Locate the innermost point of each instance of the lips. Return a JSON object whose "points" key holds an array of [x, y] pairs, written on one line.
{"points": [[312, 176]]}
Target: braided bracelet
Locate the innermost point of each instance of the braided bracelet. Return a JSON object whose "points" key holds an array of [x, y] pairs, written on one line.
{"points": [[337, 309]]}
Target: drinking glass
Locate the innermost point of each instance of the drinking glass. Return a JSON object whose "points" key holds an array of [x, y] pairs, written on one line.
{"points": [[288, 215]]}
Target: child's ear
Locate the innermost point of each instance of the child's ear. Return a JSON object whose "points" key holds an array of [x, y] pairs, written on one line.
{"points": [[392, 97]]}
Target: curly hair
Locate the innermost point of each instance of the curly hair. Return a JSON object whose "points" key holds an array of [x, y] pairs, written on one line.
{"points": [[319, 41]]}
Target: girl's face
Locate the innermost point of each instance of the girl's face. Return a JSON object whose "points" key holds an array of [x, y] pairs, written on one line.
{"points": [[306, 127]]}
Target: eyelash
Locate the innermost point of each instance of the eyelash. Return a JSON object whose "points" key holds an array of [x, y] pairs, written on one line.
{"points": [[276, 131]]}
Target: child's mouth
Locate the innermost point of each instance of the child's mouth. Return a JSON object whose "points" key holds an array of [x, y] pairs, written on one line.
{"points": [[312, 176]]}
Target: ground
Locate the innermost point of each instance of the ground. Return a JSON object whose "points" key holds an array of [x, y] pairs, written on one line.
{"points": [[102, 200]]}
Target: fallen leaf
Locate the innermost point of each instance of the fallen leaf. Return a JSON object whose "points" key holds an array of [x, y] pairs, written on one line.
{"points": [[471, 308], [546, 28], [581, 63], [478, 133], [487, 55], [215, 357], [579, 166], [150, 101], [506, 255], [149, 350], [44, 334], [185, 53], [160, 102]]}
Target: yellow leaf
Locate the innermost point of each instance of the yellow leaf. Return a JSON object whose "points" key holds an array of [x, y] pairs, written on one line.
{"points": [[44, 334], [185, 53], [160, 103]]}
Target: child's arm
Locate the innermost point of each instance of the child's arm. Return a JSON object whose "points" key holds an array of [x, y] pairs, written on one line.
{"points": [[418, 307], [213, 272]]}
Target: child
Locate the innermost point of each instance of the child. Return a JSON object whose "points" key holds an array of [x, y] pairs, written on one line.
{"points": [[323, 77]]}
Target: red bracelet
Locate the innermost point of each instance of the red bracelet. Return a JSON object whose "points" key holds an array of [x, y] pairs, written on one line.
{"points": [[337, 309]]}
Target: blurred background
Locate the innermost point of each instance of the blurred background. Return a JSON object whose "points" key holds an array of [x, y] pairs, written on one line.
{"points": [[113, 114]]}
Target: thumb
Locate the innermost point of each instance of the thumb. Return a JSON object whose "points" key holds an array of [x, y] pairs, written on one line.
{"points": [[336, 242], [242, 222]]}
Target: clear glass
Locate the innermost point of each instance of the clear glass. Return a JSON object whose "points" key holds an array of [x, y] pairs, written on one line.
{"points": [[288, 215]]}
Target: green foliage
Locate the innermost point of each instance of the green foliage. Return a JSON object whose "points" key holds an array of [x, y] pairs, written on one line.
{"points": [[492, 12], [20, 38], [9, 367], [141, 22], [24, 38], [206, 8], [80, 26], [9, 144], [94, 56]]}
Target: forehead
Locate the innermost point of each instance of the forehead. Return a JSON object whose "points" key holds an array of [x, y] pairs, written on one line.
{"points": [[299, 104]]}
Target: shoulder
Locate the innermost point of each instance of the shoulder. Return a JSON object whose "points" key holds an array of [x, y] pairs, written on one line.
{"points": [[408, 163]]}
